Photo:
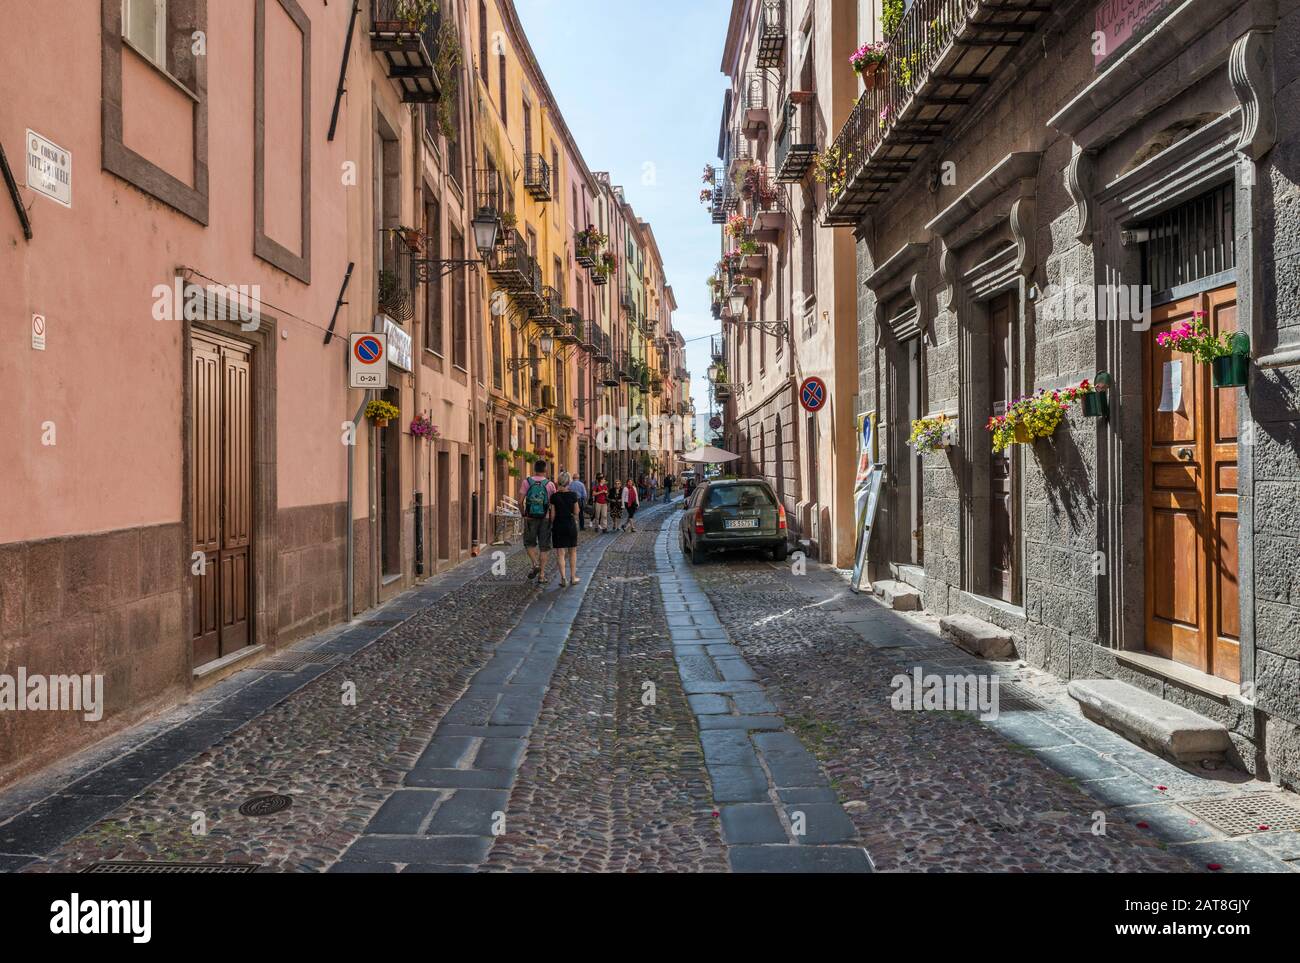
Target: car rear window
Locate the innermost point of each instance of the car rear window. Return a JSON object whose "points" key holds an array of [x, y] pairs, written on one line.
{"points": [[740, 496]]}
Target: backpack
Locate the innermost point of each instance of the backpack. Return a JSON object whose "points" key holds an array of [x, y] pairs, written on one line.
{"points": [[535, 500]]}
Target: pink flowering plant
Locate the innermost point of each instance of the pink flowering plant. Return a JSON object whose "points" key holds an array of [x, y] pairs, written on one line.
{"points": [[1035, 416], [737, 225], [868, 55], [1194, 338], [422, 427]]}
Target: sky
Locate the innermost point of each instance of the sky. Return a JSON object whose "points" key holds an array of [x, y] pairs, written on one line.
{"points": [[640, 86]]}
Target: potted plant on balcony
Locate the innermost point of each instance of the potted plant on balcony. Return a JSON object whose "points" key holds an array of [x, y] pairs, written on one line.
{"points": [[830, 167], [422, 427], [710, 175], [393, 301], [508, 222], [416, 14], [737, 226], [413, 237], [868, 62], [706, 195], [1227, 353], [932, 434], [380, 412]]}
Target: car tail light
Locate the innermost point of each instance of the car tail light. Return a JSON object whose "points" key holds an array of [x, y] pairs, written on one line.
{"points": [[780, 517], [699, 521]]}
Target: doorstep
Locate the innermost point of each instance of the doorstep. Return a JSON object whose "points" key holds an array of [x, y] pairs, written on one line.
{"points": [[1185, 675], [1149, 721], [978, 637], [897, 595]]}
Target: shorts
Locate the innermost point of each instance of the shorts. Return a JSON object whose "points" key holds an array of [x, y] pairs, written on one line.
{"points": [[537, 533]]}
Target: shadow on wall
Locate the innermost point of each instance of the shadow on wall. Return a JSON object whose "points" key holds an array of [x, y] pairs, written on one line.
{"points": [[1065, 479]]}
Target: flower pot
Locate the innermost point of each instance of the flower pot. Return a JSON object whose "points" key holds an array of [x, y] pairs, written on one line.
{"points": [[1094, 405], [1231, 371], [874, 76], [1022, 435], [381, 422]]}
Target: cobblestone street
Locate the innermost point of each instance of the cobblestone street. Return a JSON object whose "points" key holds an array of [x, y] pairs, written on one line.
{"points": [[659, 716]]}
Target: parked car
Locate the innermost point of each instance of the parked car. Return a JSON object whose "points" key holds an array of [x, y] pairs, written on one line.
{"points": [[731, 515]]}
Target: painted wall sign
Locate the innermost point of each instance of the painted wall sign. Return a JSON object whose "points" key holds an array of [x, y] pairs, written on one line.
{"points": [[1119, 21], [49, 169], [367, 365], [399, 345]]}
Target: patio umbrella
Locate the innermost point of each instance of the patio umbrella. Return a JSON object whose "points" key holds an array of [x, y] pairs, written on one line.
{"points": [[708, 455]]}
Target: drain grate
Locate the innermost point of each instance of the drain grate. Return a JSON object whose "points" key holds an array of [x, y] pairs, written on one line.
{"points": [[1244, 815], [201, 868], [267, 805], [383, 623], [293, 661], [1018, 698]]}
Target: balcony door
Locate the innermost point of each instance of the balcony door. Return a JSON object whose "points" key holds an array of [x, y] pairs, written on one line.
{"points": [[1004, 577]]}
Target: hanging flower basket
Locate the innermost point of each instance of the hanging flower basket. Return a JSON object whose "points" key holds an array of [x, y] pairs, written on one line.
{"points": [[931, 435], [1231, 371], [422, 427], [381, 412], [1227, 353]]}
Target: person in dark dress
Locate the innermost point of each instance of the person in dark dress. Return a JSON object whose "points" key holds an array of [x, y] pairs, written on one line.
{"points": [[564, 529]]}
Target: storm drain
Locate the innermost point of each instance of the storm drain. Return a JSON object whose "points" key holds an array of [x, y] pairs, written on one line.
{"points": [[1248, 814], [293, 661], [267, 805], [1014, 697], [148, 868]]}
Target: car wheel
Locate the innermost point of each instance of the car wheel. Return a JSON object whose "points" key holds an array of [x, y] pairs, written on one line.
{"points": [[780, 552], [698, 554]]}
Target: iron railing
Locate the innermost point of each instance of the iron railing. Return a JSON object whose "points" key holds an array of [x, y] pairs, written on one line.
{"points": [[772, 34], [410, 46], [796, 143], [571, 327], [510, 265], [537, 177]]}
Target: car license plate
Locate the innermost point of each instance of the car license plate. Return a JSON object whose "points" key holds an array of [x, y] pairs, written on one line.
{"points": [[742, 523]]}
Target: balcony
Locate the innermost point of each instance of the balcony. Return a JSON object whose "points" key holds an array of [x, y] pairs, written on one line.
{"points": [[547, 315], [648, 325], [395, 281], [409, 47], [602, 354], [571, 327], [716, 350], [754, 100], [510, 266], [605, 374], [589, 336], [796, 143], [739, 152], [942, 57], [488, 191], [771, 35], [537, 177], [585, 250]]}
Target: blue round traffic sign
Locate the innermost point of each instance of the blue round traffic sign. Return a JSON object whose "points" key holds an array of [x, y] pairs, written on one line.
{"points": [[812, 394], [368, 350]]}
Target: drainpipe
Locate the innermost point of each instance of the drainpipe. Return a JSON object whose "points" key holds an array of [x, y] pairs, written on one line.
{"points": [[352, 448]]}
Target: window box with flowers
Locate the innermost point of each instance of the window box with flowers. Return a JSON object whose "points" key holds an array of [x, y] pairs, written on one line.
{"points": [[1036, 416], [930, 435], [1227, 353], [381, 412], [737, 226]]}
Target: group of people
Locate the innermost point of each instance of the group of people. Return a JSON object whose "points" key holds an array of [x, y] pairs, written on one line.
{"points": [[555, 511]]}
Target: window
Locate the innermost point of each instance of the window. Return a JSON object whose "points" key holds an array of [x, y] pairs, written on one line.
{"points": [[742, 496], [482, 41], [501, 71], [496, 355], [459, 317], [433, 320], [144, 24], [528, 129]]}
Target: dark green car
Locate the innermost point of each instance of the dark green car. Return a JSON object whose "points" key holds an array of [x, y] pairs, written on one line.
{"points": [[733, 515]]}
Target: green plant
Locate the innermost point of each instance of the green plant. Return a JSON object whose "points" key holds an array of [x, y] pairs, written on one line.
{"points": [[1194, 338], [502, 455], [447, 67], [891, 16], [514, 472], [830, 167], [416, 13], [509, 219], [393, 301], [748, 246]]}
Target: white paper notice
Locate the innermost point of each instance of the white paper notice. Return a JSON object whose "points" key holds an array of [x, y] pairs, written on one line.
{"points": [[1171, 392]]}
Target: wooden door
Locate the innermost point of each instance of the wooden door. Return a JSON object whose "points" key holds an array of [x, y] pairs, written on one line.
{"points": [[1192, 612], [221, 495], [1003, 580]]}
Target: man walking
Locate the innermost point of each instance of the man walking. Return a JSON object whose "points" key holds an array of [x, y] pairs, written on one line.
{"points": [[578, 488], [600, 501], [535, 503]]}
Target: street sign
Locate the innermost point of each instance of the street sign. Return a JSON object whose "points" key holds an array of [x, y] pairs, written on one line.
{"points": [[367, 360], [38, 332], [49, 168], [399, 345], [812, 394]]}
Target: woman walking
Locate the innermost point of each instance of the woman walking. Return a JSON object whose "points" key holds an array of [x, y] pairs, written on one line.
{"points": [[631, 502], [565, 506], [600, 497]]}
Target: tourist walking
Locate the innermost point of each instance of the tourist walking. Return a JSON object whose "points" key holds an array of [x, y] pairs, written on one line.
{"points": [[600, 502], [578, 488], [564, 510], [631, 502], [535, 504], [653, 485]]}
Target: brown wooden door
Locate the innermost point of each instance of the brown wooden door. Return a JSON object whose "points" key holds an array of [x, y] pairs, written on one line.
{"points": [[222, 495], [1192, 611], [1003, 581]]}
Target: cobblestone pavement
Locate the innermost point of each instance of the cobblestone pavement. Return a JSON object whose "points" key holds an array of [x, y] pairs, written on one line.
{"points": [[1038, 789]]}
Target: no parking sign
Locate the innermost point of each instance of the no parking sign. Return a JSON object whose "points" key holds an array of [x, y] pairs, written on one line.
{"points": [[368, 360], [812, 394]]}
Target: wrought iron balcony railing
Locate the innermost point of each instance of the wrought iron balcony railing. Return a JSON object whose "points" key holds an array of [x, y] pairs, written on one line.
{"points": [[547, 314], [589, 336], [754, 101], [604, 352], [717, 350], [409, 44], [796, 143], [571, 327], [510, 266], [772, 34], [941, 57], [537, 177], [395, 281]]}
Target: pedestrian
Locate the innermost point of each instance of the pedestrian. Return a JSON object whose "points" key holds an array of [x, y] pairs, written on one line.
{"points": [[578, 488], [668, 487], [615, 504], [535, 502], [600, 502], [631, 502], [653, 485], [564, 511]]}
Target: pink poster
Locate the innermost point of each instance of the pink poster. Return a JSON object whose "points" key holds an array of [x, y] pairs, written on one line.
{"points": [[1118, 21]]}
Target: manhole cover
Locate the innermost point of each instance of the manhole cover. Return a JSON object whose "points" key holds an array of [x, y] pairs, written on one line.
{"points": [[292, 661], [266, 805], [127, 867], [1246, 814]]}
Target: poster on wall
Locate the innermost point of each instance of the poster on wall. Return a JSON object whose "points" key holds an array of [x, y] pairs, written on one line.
{"points": [[866, 496]]}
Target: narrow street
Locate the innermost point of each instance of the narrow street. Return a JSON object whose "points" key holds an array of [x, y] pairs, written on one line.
{"points": [[659, 716]]}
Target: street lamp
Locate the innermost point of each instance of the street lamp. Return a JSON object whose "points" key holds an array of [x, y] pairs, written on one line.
{"points": [[712, 373], [547, 343], [486, 224], [737, 305]]}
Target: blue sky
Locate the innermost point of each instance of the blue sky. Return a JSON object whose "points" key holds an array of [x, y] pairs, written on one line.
{"points": [[641, 88]]}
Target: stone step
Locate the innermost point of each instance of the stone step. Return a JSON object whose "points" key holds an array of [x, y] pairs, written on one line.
{"points": [[1150, 721], [978, 637], [898, 596]]}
